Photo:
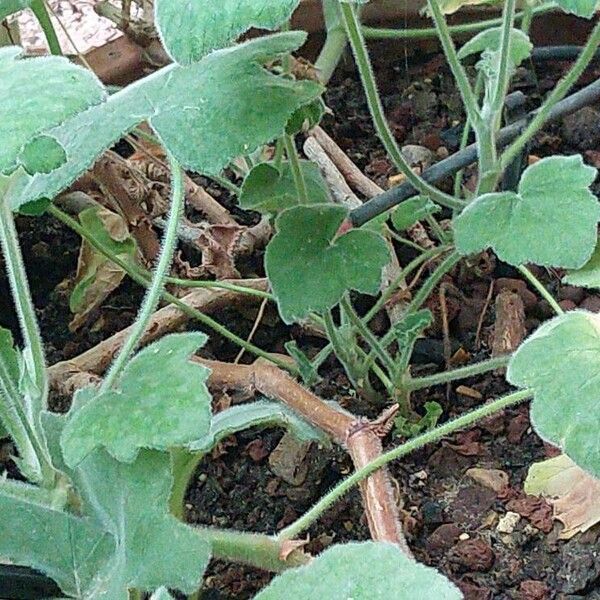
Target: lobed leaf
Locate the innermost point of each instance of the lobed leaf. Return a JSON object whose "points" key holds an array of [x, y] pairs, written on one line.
{"points": [[551, 220], [581, 8], [561, 363], [38, 94], [310, 267], [271, 190], [205, 114], [160, 401], [361, 571], [490, 40], [191, 29]]}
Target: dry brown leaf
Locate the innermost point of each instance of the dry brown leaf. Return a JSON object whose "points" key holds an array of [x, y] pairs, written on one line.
{"points": [[572, 492]]}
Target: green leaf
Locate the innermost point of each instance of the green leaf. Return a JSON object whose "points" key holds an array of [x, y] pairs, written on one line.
{"points": [[161, 594], [10, 7], [407, 332], [69, 549], [42, 154], [551, 221], [268, 190], [37, 94], [261, 413], [9, 357], [124, 249], [310, 268], [413, 210], [306, 117], [489, 41], [308, 371], [588, 275], [361, 571], [581, 8], [205, 114], [561, 363], [190, 30], [160, 401]]}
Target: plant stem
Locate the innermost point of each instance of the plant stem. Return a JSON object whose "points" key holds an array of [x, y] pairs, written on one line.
{"points": [[292, 156], [403, 241], [393, 286], [528, 14], [418, 383], [353, 31], [557, 94], [143, 280], [428, 437], [38, 7], [368, 335], [341, 352], [158, 281], [377, 33], [544, 293], [504, 70], [460, 75], [218, 285]]}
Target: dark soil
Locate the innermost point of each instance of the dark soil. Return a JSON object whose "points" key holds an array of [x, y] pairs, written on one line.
{"points": [[450, 520]]}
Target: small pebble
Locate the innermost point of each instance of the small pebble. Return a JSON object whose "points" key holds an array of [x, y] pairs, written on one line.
{"points": [[508, 522]]}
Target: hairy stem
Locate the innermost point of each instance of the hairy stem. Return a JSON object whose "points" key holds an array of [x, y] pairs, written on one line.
{"points": [[367, 77], [544, 293], [292, 156], [38, 7], [418, 442]]}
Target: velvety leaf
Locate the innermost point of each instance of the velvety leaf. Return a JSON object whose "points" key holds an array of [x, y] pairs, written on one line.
{"points": [[269, 190], [10, 7], [37, 94], [308, 371], [490, 40], [588, 275], [551, 221], [410, 211], [42, 154], [574, 495], [310, 268], [361, 571], [161, 594], [69, 549], [561, 363], [97, 276], [160, 401], [581, 8], [261, 413], [213, 101], [451, 6], [131, 500], [306, 117], [190, 30], [407, 332]]}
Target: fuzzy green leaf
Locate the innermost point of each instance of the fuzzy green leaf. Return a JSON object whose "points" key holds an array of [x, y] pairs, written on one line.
{"points": [[213, 102], [581, 8], [160, 401], [310, 268], [10, 7], [489, 41], [42, 154], [161, 594], [269, 190], [37, 94], [9, 357], [413, 210], [69, 549], [306, 117], [190, 30], [361, 571], [406, 332], [588, 275], [261, 413], [561, 363], [551, 221]]}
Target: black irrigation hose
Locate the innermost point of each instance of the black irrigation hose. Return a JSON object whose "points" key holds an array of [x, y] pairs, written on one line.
{"points": [[546, 53], [379, 204]]}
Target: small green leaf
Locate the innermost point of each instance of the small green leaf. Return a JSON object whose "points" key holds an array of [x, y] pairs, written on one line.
{"points": [[490, 40], [160, 401], [261, 413], [213, 101], [190, 30], [561, 363], [581, 8], [361, 571], [306, 117], [551, 221], [308, 371], [407, 332], [588, 275], [42, 154], [268, 190], [310, 268], [413, 210], [37, 94]]}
